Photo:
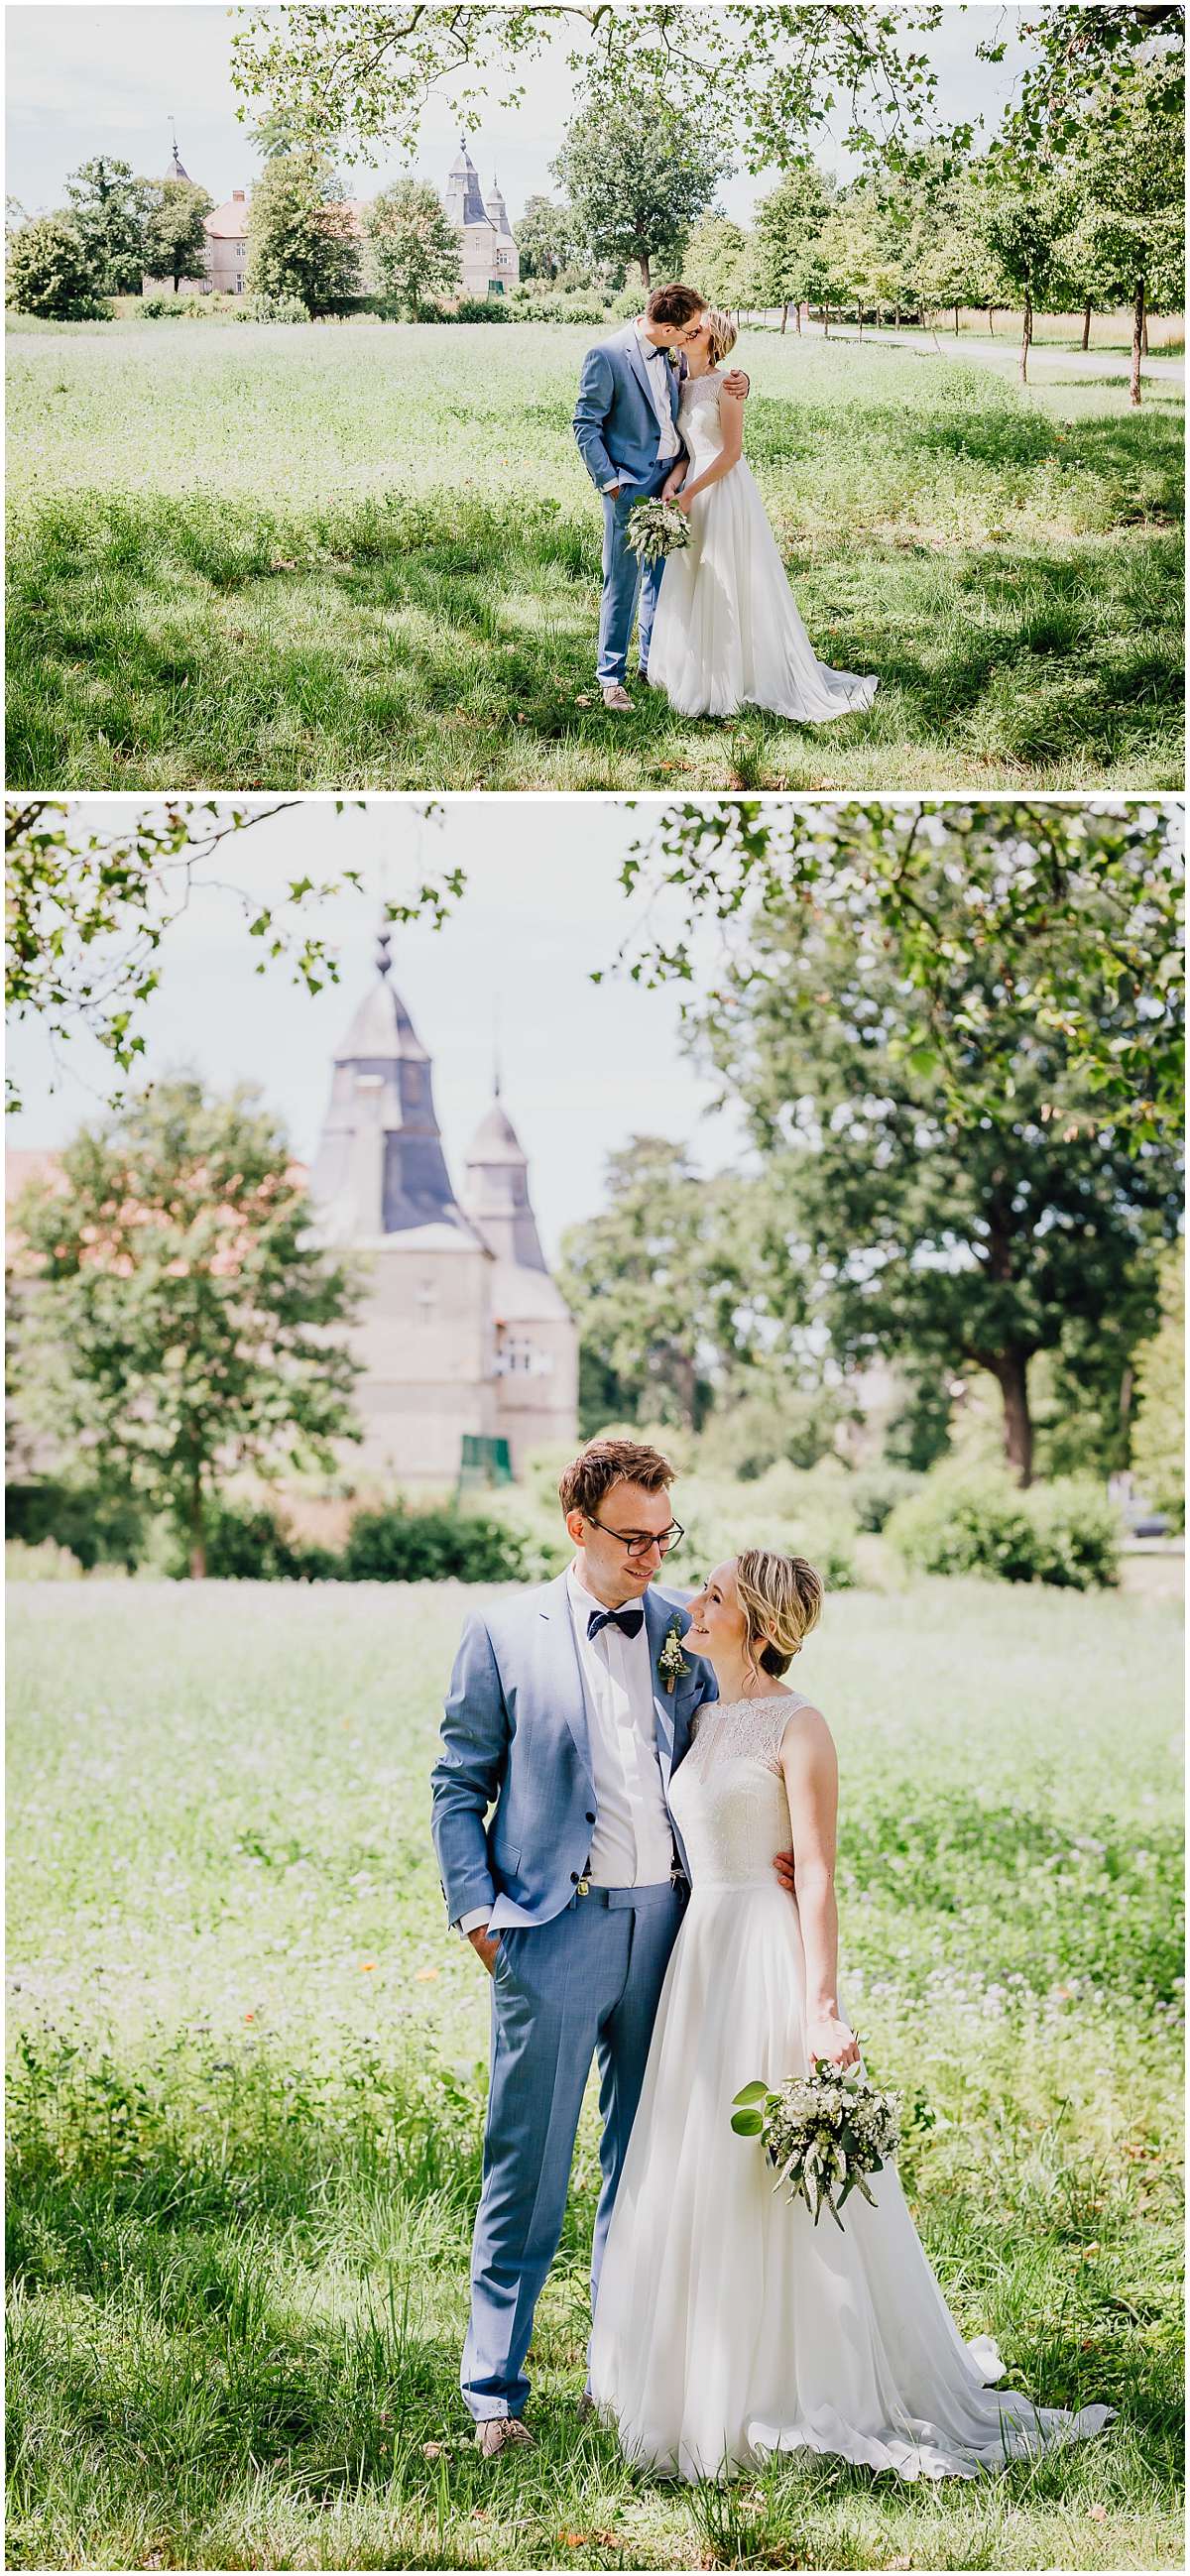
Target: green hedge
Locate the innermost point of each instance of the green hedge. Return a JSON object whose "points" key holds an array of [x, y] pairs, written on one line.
{"points": [[979, 1523], [396, 1545]]}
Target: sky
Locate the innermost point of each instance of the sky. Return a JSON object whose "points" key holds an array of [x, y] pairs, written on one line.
{"points": [[584, 1066], [107, 79]]}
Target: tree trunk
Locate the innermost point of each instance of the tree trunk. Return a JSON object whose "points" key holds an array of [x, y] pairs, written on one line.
{"points": [[956, 321], [1087, 323], [1138, 333], [1144, 337], [784, 319], [826, 321], [644, 270], [198, 1535], [1011, 1371], [991, 324], [797, 315], [1026, 338]]}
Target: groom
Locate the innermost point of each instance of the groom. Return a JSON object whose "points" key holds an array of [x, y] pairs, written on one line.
{"points": [[570, 1709], [625, 421]]}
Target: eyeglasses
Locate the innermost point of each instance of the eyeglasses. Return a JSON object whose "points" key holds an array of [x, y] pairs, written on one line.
{"points": [[639, 1542]]}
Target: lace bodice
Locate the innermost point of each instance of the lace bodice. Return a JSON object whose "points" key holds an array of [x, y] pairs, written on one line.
{"points": [[698, 419], [728, 1796]]}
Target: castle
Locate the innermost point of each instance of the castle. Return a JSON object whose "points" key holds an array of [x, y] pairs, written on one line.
{"points": [[470, 1356], [491, 260]]}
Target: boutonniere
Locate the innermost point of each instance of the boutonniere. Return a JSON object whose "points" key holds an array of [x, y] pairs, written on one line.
{"points": [[671, 1662], [673, 357]]}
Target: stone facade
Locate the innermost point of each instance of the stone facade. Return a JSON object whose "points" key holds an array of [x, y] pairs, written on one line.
{"points": [[463, 1331], [491, 260]]}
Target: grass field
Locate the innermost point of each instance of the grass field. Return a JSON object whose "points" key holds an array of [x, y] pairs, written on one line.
{"points": [[365, 557], [247, 2068]]}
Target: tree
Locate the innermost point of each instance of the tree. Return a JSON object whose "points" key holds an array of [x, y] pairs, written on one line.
{"points": [[663, 1284], [175, 239], [178, 1321], [789, 226], [52, 272], [301, 240], [111, 209], [414, 244], [1065, 900], [545, 238], [1127, 241], [1159, 1436], [913, 1232], [91, 901], [1025, 216], [348, 78], [716, 258], [637, 176], [857, 249]]}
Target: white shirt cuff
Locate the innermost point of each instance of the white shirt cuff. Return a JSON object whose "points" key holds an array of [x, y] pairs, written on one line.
{"points": [[610, 487], [471, 1922]]}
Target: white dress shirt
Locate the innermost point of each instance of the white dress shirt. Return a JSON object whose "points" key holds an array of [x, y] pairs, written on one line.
{"points": [[632, 1838]]}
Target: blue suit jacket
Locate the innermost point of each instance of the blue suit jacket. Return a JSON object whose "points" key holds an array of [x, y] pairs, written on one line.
{"points": [[515, 1740], [614, 420]]}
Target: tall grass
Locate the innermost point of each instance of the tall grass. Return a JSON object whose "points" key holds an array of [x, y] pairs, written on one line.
{"points": [[370, 558], [248, 2066]]}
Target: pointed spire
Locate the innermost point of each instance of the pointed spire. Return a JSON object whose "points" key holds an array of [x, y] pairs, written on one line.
{"points": [[496, 1190], [380, 1167]]}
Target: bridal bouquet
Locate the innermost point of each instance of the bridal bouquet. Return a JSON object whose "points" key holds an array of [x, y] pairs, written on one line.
{"points": [[823, 2133], [656, 528]]}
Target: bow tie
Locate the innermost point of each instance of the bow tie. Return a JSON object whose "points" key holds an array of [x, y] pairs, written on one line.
{"points": [[629, 1622]]}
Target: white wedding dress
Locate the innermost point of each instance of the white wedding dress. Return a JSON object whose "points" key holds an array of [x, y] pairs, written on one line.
{"points": [[727, 633], [727, 2324]]}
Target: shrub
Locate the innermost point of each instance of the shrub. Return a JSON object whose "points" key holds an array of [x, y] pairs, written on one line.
{"points": [[249, 1543], [441, 1545], [51, 272], [275, 308], [875, 1492], [558, 308], [480, 308], [45, 1563], [978, 1523], [100, 1526]]}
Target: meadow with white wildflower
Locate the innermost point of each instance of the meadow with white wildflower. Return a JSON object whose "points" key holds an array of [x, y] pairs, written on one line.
{"points": [[248, 2062]]}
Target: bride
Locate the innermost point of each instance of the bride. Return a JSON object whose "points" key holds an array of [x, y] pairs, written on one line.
{"points": [[727, 2325], [727, 633]]}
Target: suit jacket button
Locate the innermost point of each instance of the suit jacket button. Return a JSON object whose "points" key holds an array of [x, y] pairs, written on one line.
{"points": [[574, 1878], [590, 1816]]}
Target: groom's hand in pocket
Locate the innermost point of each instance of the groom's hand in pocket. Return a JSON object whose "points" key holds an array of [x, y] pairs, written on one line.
{"points": [[484, 1946], [784, 1867]]}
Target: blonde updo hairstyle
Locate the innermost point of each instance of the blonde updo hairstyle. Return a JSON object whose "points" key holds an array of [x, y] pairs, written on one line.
{"points": [[721, 335], [781, 1600]]}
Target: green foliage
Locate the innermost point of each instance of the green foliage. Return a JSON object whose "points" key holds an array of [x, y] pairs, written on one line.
{"points": [[111, 209], [178, 1318], [273, 308], [44, 1562], [300, 238], [714, 257], [965, 1523], [174, 238], [875, 1493], [481, 308], [53, 272], [638, 175], [415, 246], [1159, 1432], [100, 1520], [784, 260], [248, 1543], [545, 239], [396, 1545]]}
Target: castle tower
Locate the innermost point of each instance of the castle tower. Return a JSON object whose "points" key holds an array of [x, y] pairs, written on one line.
{"points": [[491, 260], [464, 197], [381, 1188], [536, 1337]]}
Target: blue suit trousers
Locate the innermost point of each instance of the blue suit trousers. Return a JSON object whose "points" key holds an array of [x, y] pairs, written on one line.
{"points": [[624, 581], [583, 1986]]}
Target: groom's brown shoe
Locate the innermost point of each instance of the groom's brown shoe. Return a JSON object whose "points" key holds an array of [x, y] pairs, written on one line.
{"points": [[616, 697], [501, 2433]]}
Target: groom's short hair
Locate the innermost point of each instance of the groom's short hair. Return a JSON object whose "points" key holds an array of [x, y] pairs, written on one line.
{"points": [[604, 1463], [674, 305]]}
